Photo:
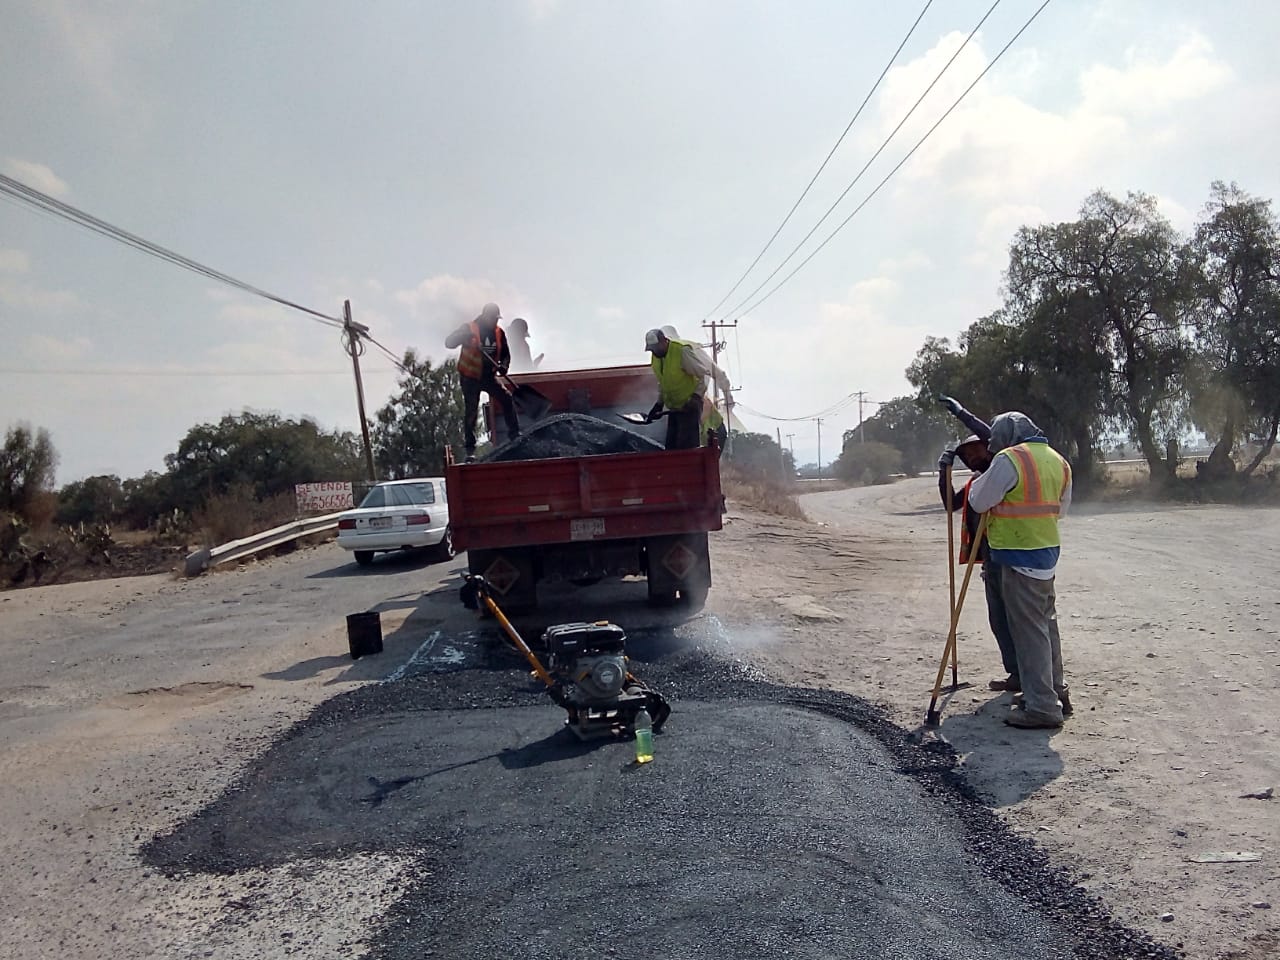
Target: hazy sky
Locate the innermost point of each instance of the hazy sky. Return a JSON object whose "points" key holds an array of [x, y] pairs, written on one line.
{"points": [[596, 167]]}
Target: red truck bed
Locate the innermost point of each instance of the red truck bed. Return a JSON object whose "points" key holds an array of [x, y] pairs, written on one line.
{"points": [[568, 500], [582, 519]]}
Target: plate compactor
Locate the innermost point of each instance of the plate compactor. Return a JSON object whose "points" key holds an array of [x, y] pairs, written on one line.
{"points": [[586, 671]]}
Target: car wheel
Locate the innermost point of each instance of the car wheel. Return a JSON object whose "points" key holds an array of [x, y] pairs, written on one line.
{"points": [[364, 557], [444, 549]]}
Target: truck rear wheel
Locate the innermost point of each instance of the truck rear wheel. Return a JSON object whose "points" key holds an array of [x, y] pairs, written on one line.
{"points": [[694, 595]]}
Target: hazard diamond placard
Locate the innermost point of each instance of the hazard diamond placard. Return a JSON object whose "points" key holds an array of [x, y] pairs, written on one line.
{"points": [[502, 575]]}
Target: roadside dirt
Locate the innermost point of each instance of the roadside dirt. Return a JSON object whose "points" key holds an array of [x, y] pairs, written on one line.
{"points": [[1171, 635]]}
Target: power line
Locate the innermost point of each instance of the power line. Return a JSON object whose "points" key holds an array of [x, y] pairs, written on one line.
{"points": [[839, 406], [45, 203], [900, 163], [812, 180], [737, 310], [117, 372]]}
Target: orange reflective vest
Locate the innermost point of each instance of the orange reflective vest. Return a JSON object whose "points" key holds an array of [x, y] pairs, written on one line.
{"points": [[471, 359], [1027, 517], [966, 535]]}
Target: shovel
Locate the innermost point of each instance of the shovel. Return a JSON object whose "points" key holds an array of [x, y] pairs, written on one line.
{"points": [[529, 403], [640, 419]]}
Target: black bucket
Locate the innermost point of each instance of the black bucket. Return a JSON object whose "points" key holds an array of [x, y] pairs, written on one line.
{"points": [[364, 633]]}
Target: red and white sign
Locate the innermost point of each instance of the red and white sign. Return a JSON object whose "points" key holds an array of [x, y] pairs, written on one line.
{"points": [[323, 497]]}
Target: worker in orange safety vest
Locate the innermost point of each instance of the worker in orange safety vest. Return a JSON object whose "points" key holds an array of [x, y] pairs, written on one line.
{"points": [[485, 356]]}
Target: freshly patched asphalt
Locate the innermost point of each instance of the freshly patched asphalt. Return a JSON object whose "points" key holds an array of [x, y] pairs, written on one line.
{"points": [[774, 822]]}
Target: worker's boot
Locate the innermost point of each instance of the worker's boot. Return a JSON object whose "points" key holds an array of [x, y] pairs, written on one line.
{"points": [[471, 456]]}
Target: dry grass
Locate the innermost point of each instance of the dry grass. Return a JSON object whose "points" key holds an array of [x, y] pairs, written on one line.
{"points": [[761, 492], [236, 514]]}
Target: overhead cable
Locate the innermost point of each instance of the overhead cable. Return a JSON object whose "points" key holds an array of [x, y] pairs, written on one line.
{"points": [[736, 311], [804, 193], [43, 202], [900, 163]]}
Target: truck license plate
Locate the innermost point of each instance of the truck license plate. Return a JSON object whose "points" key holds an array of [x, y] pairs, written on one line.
{"points": [[586, 529]]}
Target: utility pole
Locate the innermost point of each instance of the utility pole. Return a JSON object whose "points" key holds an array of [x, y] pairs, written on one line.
{"points": [[791, 444], [818, 421], [782, 459], [351, 333], [862, 396], [715, 326]]}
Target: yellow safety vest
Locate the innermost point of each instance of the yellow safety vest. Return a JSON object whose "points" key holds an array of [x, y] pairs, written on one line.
{"points": [[675, 387], [1027, 517]]}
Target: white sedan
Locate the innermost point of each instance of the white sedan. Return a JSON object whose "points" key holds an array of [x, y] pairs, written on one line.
{"points": [[398, 515]]}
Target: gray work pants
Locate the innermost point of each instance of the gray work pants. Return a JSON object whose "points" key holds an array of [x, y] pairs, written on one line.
{"points": [[998, 617], [1033, 623]]}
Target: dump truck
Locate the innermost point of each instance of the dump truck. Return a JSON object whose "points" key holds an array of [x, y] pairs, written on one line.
{"points": [[583, 517]]}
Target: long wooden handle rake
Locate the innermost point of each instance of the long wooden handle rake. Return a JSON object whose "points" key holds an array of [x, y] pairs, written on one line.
{"points": [[933, 717]]}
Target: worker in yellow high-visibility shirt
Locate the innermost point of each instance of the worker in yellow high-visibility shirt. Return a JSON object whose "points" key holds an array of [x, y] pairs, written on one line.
{"points": [[1026, 490], [681, 375]]}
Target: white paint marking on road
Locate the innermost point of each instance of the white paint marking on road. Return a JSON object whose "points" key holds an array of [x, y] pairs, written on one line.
{"points": [[418, 657], [451, 656]]}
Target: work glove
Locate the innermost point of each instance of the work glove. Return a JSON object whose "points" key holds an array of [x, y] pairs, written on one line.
{"points": [[947, 459], [655, 412], [950, 403]]}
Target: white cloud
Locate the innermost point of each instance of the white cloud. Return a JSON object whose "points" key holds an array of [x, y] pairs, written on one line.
{"points": [[1148, 84], [542, 9], [45, 350], [445, 300], [25, 296], [36, 175], [14, 261]]}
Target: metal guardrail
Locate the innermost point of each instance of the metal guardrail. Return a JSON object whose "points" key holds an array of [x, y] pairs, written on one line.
{"points": [[206, 557]]}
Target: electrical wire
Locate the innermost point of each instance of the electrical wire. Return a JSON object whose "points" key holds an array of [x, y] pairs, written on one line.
{"points": [[812, 180], [737, 310], [112, 372], [47, 204], [900, 163]]}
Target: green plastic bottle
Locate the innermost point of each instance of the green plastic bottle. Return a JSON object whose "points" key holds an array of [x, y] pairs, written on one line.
{"points": [[644, 737]]}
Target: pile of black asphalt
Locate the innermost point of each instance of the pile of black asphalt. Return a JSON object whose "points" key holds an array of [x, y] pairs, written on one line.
{"points": [[773, 822], [571, 435]]}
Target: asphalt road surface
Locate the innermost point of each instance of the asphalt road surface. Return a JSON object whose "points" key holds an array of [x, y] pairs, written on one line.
{"points": [[774, 821]]}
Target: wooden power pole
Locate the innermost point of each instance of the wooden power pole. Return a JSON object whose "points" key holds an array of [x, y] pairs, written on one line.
{"points": [[351, 333], [715, 326]]}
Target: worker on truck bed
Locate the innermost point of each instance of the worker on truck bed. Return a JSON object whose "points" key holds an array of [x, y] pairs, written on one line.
{"points": [[713, 421], [682, 376], [485, 356]]}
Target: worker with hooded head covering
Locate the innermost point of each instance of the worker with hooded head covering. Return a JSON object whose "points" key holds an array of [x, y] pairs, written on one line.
{"points": [[522, 359], [973, 453], [682, 376], [1026, 490]]}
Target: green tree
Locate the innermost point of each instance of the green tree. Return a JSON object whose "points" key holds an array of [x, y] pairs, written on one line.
{"points": [[867, 462], [27, 465], [147, 498], [413, 429], [1113, 284], [759, 453], [264, 453], [91, 500], [1236, 251], [917, 429]]}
